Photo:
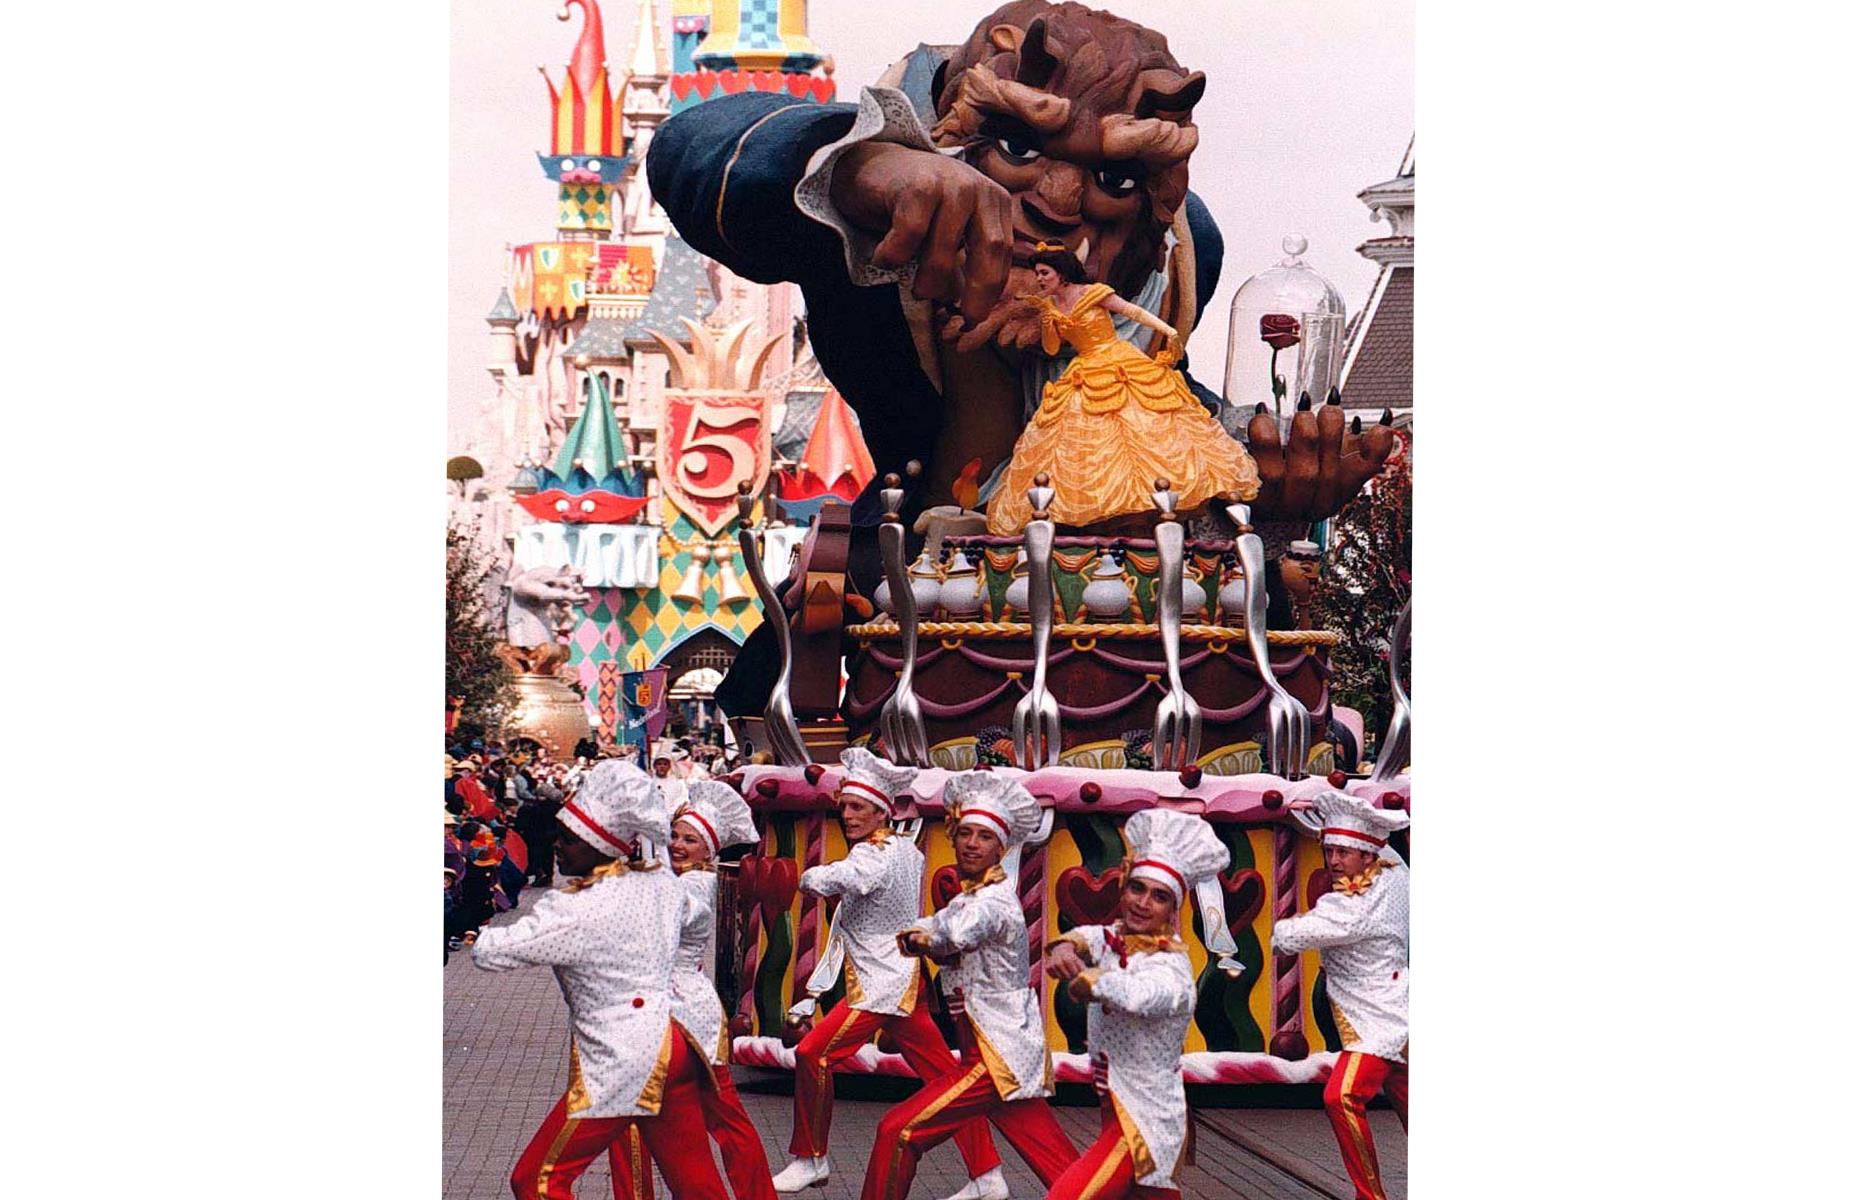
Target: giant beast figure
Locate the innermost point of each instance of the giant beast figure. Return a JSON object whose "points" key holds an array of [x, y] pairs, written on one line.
{"points": [[908, 221]]}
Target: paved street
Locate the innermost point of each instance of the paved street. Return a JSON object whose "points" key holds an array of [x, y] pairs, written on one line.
{"points": [[506, 1063]]}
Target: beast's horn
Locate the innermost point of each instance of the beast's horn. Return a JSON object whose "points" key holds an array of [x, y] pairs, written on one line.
{"points": [[1037, 64]]}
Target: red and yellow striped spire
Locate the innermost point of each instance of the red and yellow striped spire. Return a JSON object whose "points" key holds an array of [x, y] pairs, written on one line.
{"points": [[584, 111]]}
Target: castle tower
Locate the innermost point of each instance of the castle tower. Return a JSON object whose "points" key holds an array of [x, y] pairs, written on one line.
{"points": [[746, 45], [721, 47], [503, 322], [586, 152], [690, 22], [1378, 365], [637, 381], [759, 35], [645, 104]]}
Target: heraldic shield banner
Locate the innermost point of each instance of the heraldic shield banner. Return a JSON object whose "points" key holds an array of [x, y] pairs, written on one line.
{"points": [[710, 446], [642, 700]]}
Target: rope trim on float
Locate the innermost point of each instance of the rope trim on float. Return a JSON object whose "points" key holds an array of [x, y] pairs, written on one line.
{"points": [[1074, 629]]}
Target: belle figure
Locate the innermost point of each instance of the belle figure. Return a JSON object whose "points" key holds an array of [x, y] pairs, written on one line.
{"points": [[1117, 420]]}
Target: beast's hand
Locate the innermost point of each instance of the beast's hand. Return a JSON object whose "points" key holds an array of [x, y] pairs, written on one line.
{"points": [[1321, 466], [1014, 324], [955, 223]]}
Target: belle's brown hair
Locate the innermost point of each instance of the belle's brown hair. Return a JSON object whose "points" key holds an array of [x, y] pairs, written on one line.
{"points": [[1063, 261]]}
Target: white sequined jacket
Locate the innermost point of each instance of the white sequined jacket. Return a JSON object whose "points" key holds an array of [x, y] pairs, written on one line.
{"points": [[989, 930], [695, 1005], [612, 946], [1362, 941], [1142, 1002], [880, 886]]}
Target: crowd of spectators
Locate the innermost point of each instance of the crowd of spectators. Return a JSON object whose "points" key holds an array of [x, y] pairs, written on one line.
{"points": [[500, 829], [501, 806]]}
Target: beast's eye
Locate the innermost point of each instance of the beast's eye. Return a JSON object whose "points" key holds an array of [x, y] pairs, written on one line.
{"points": [[594, 164], [568, 164], [1018, 146], [1119, 180]]}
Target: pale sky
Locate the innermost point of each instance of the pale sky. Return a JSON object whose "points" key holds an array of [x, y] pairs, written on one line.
{"points": [[1307, 104]]}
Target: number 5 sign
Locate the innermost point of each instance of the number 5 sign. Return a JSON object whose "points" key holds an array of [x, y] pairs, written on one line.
{"points": [[708, 447]]}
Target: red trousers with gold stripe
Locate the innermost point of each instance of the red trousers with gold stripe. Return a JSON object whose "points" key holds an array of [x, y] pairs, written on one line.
{"points": [[565, 1145], [838, 1037], [744, 1160], [1354, 1082], [1105, 1170], [940, 1108]]}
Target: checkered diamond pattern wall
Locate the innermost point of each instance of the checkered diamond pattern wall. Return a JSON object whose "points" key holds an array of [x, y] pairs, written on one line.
{"points": [[620, 619]]}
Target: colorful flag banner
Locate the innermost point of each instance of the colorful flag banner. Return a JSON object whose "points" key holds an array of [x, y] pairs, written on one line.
{"points": [[642, 695]]}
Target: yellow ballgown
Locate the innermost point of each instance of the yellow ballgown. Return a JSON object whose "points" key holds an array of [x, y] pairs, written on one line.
{"points": [[1115, 422]]}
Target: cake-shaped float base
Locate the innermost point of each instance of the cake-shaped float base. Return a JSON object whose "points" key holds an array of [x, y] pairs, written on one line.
{"points": [[1270, 1025], [1105, 668]]}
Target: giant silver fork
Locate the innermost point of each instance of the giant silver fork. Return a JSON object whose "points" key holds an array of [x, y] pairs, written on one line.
{"points": [[1036, 717], [1175, 740], [784, 733], [1392, 754], [1288, 728], [901, 721]]}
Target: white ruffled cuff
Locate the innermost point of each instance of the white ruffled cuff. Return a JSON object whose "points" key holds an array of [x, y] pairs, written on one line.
{"points": [[885, 115]]}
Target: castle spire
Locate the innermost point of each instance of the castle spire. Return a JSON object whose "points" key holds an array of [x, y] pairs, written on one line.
{"points": [[649, 58], [587, 154], [594, 443], [591, 50], [836, 461]]}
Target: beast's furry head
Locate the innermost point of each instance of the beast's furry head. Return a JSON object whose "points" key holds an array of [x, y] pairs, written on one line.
{"points": [[1085, 118]]}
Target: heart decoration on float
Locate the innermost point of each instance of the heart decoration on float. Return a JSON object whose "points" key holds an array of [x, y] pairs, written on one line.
{"points": [[748, 879], [943, 887], [1243, 895], [1086, 899], [1316, 887]]}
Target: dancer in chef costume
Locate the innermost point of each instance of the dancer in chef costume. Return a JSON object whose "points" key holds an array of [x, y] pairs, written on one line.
{"points": [[1360, 931], [880, 886], [1136, 975], [1006, 1072], [612, 937], [713, 816]]}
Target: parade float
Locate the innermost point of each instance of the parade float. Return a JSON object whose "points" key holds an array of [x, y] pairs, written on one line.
{"points": [[1110, 702], [1169, 658]]}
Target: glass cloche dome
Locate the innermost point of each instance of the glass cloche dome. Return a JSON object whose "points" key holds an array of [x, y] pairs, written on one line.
{"points": [[1284, 339]]}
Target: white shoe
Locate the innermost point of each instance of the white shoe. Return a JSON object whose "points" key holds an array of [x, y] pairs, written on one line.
{"points": [[989, 1186], [803, 1173]]}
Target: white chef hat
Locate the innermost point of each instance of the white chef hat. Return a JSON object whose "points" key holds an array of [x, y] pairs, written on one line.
{"points": [[1355, 823], [995, 802], [717, 813], [616, 804], [871, 778], [1175, 849], [1181, 852]]}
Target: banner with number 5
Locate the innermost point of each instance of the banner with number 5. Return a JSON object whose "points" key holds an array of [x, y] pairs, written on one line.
{"points": [[709, 445]]}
